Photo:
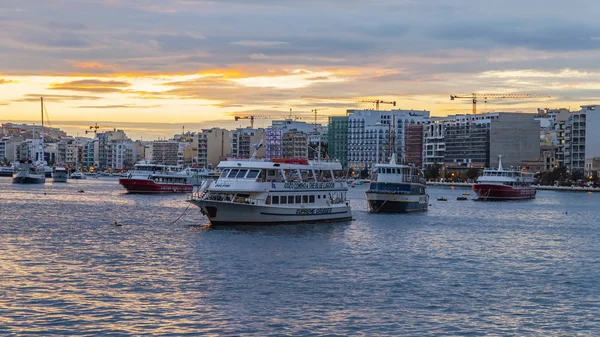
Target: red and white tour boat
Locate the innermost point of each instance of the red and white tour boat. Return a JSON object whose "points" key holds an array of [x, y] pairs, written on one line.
{"points": [[153, 178], [500, 184]]}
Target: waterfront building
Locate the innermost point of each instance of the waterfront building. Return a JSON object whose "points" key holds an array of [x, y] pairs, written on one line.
{"points": [[9, 148], [465, 141], [369, 135], [434, 146], [165, 152], [581, 141], [213, 145], [295, 144], [279, 128], [274, 145], [337, 139], [244, 141], [413, 139]]}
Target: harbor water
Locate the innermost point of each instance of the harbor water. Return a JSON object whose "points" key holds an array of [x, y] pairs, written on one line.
{"points": [[461, 268]]}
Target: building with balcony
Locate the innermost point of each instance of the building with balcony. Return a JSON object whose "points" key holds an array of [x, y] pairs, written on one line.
{"points": [[295, 144], [373, 135], [581, 142], [244, 141], [214, 145]]}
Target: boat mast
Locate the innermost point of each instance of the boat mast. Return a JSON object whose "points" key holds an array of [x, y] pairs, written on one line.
{"points": [[499, 162], [392, 140], [42, 133]]}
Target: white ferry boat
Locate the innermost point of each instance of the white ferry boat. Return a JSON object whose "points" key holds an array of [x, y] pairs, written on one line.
{"points": [[397, 189], [278, 191]]}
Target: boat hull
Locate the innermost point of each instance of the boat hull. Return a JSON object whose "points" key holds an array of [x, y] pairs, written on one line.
{"points": [[6, 173], [398, 197], [221, 213], [149, 186], [493, 192], [29, 179], [392, 203], [59, 177]]}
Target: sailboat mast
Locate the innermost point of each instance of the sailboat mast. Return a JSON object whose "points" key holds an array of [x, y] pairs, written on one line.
{"points": [[42, 133]]}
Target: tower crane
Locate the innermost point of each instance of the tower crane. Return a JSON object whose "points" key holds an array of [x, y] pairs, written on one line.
{"points": [[315, 112], [94, 128], [474, 97], [253, 117], [355, 99]]}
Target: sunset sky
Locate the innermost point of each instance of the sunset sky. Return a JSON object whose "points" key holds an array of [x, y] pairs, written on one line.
{"points": [[153, 66]]}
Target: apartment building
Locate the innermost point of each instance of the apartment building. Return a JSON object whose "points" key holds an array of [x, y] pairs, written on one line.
{"points": [[581, 142], [213, 146], [374, 134], [244, 141]]}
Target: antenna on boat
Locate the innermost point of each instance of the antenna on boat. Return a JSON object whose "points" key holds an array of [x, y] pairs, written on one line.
{"points": [[256, 148]]}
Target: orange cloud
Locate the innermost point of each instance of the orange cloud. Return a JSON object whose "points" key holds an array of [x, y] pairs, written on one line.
{"points": [[91, 65], [91, 85]]}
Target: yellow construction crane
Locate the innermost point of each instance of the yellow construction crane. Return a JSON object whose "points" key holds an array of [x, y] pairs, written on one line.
{"points": [[94, 128], [253, 117], [474, 97], [355, 99]]}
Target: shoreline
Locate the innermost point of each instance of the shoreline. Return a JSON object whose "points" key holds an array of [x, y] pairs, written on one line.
{"points": [[538, 187]]}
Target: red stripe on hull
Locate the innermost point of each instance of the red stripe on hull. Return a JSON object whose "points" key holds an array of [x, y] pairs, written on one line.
{"points": [[503, 192], [150, 186]]}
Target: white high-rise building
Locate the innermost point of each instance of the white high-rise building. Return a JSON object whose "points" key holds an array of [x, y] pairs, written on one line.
{"points": [[581, 141], [369, 132]]}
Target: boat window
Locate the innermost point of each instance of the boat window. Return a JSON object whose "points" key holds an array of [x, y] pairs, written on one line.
{"points": [[304, 198], [268, 200], [233, 173], [319, 196], [291, 175], [283, 200], [275, 199], [340, 175], [261, 176], [298, 199], [252, 174], [389, 170], [307, 175], [291, 199], [324, 176], [311, 198], [241, 174]]}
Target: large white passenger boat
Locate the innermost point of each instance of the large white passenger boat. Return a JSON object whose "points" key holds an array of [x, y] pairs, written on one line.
{"points": [[278, 191]]}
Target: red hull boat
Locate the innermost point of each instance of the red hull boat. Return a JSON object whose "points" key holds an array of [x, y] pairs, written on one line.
{"points": [[150, 186], [500, 184], [153, 178], [501, 192]]}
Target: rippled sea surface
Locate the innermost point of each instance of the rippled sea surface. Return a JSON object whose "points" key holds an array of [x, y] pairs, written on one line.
{"points": [[462, 268]]}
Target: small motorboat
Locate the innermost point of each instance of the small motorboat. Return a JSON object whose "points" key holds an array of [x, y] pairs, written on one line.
{"points": [[462, 198], [466, 193], [442, 199]]}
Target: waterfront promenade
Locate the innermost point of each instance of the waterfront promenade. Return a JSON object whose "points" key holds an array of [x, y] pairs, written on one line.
{"points": [[539, 187]]}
